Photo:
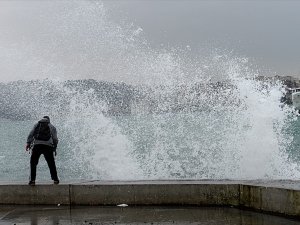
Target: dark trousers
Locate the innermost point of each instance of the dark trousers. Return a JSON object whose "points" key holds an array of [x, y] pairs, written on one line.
{"points": [[48, 152]]}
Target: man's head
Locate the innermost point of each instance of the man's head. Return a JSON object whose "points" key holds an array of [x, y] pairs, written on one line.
{"points": [[47, 117]]}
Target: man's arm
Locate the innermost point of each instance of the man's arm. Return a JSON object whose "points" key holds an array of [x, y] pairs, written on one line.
{"points": [[54, 136], [30, 137]]}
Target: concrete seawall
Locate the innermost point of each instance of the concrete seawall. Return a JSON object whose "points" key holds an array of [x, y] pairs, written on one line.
{"points": [[282, 197]]}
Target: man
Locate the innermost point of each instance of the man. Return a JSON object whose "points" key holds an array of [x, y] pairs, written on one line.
{"points": [[43, 140]]}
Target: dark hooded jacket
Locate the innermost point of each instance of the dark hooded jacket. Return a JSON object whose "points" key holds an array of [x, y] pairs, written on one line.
{"points": [[51, 142]]}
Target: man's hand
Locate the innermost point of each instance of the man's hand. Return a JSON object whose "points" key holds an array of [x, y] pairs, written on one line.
{"points": [[54, 150], [27, 147]]}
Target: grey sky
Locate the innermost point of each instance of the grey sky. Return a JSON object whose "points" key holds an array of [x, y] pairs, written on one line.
{"points": [[267, 31], [44, 38]]}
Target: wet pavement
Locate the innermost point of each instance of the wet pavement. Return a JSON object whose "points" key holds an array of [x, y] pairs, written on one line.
{"points": [[88, 215]]}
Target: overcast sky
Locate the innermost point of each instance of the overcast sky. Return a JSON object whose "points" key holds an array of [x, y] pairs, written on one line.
{"points": [[268, 31], [42, 36]]}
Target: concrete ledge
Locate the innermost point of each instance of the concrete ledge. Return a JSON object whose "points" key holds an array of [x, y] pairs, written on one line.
{"points": [[155, 194], [41, 194], [282, 197], [269, 199]]}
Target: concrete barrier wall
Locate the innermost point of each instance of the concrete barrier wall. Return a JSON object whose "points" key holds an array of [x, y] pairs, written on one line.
{"points": [[155, 194], [276, 200], [41, 194], [280, 200]]}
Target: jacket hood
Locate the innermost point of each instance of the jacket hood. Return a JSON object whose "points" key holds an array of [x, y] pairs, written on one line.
{"points": [[44, 120]]}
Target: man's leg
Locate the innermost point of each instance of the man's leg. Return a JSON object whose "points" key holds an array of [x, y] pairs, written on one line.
{"points": [[48, 153], [34, 160]]}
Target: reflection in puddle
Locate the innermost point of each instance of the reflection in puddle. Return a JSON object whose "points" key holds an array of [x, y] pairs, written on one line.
{"points": [[136, 215]]}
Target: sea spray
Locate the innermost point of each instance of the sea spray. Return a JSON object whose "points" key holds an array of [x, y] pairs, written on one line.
{"points": [[263, 141], [146, 113], [100, 149], [186, 131]]}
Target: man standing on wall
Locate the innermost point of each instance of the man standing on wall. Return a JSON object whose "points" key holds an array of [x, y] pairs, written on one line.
{"points": [[43, 140]]}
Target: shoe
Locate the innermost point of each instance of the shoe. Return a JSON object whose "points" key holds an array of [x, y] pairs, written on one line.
{"points": [[56, 182], [31, 183]]}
